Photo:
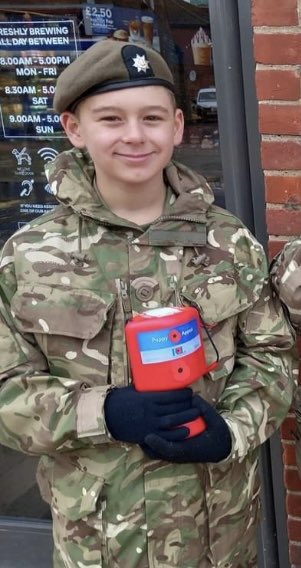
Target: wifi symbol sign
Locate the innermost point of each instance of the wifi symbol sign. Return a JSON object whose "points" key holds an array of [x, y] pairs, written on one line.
{"points": [[48, 154]]}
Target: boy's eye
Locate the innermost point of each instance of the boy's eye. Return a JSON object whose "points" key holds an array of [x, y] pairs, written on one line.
{"points": [[153, 117], [110, 118]]}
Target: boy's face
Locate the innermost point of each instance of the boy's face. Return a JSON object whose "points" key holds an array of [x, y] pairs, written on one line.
{"points": [[130, 134]]}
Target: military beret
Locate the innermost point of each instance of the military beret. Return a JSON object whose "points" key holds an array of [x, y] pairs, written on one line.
{"points": [[109, 66]]}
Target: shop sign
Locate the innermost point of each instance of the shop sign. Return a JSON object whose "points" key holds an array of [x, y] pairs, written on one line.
{"points": [[32, 55], [125, 24], [98, 19]]}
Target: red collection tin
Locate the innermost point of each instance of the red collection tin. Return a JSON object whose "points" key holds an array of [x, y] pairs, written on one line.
{"points": [[165, 348], [166, 352]]}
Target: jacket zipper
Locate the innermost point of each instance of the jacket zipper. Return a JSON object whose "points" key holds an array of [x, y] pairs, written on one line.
{"points": [[128, 314]]}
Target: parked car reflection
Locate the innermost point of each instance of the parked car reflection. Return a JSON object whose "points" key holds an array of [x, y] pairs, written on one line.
{"points": [[206, 104]]}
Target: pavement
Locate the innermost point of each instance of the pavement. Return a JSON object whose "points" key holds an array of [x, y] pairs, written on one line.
{"points": [[26, 544]]}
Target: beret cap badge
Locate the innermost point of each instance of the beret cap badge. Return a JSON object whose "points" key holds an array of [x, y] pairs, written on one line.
{"points": [[140, 63], [136, 62]]}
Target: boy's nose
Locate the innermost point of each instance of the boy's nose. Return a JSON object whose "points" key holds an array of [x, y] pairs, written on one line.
{"points": [[133, 132]]}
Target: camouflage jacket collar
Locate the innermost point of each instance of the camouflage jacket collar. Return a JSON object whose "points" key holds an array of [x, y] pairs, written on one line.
{"points": [[71, 177]]}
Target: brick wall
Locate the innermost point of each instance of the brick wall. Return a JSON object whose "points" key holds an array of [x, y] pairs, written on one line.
{"points": [[277, 50]]}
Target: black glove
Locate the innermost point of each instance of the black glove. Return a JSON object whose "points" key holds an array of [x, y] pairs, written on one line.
{"points": [[131, 415], [212, 446]]}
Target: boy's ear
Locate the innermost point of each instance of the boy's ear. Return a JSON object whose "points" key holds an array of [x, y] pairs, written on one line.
{"points": [[179, 127], [70, 124]]}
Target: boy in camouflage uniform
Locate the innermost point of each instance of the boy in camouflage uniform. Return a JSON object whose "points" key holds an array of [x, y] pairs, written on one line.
{"points": [[286, 279], [134, 230]]}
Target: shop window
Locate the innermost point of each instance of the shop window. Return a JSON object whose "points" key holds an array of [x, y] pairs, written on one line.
{"points": [[37, 41]]}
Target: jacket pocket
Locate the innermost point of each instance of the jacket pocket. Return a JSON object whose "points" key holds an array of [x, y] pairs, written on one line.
{"points": [[69, 490], [72, 328], [60, 311], [218, 331], [220, 297], [76, 501], [77, 495]]}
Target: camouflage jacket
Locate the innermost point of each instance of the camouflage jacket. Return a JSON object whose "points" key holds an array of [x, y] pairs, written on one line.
{"points": [[67, 281], [286, 279]]}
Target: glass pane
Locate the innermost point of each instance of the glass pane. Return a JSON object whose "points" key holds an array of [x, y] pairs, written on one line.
{"points": [[37, 41]]}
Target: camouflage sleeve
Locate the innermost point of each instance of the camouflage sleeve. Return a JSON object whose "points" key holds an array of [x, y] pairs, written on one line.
{"points": [[259, 392], [286, 279], [39, 412]]}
